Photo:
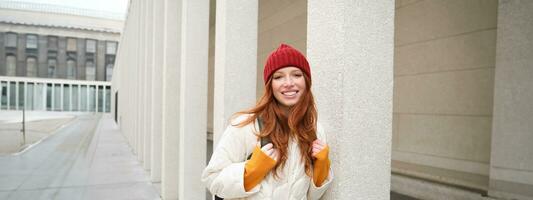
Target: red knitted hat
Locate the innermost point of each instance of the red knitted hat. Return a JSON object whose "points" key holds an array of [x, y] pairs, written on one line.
{"points": [[285, 56]]}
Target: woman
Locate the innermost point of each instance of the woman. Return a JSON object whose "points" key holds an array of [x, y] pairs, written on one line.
{"points": [[294, 164]]}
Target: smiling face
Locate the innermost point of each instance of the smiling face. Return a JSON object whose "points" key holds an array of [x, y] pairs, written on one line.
{"points": [[288, 85]]}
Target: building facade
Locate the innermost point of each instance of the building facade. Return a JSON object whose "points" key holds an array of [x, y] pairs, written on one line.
{"points": [[46, 48], [53, 56]]}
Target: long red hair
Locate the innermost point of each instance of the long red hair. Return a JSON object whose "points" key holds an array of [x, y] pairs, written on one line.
{"points": [[300, 124]]}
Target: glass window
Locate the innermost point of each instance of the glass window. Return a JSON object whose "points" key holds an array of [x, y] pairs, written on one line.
{"points": [[21, 95], [49, 89], [29, 97], [39, 97], [57, 97], [31, 41], [107, 99], [66, 97], [11, 68], [91, 46], [111, 48], [109, 72], [83, 98], [100, 99], [92, 98], [52, 63], [12, 95], [52, 42], [71, 69], [75, 99], [11, 40], [3, 95], [31, 67], [72, 44], [90, 71]]}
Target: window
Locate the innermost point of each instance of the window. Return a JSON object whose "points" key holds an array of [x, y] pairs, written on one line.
{"points": [[72, 44], [31, 41], [109, 62], [11, 67], [31, 67], [90, 71], [91, 46], [52, 63], [11, 40], [111, 48], [52, 43], [71, 69], [108, 72]]}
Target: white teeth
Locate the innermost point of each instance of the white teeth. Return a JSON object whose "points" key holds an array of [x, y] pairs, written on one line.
{"points": [[289, 93]]}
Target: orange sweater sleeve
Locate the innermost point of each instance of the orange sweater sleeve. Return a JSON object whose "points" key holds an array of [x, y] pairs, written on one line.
{"points": [[257, 168], [321, 168]]}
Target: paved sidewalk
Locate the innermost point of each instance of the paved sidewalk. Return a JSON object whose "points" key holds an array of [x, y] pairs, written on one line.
{"points": [[88, 159]]}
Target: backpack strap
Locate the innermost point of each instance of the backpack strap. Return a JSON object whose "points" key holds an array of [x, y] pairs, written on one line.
{"points": [[264, 140]]}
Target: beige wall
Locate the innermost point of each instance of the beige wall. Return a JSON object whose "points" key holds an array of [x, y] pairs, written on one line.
{"points": [[279, 22], [443, 83]]}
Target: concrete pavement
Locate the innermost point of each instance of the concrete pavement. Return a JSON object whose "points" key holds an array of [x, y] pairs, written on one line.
{"points": [[87, 159]]}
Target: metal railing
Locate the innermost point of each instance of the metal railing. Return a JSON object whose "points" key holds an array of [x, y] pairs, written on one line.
{"points": [[17, 93]]}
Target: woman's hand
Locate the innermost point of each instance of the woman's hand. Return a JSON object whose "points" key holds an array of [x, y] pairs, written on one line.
{"points": [[317, 146], [270, 151]]}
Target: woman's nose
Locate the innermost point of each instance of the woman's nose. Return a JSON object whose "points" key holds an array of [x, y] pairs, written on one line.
{"points": [[289, 81]]}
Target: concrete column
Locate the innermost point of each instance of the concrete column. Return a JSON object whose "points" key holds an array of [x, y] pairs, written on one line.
{"points": [[130, 112], [235, 60], [140, 81], [157, 83], [171, 98], [148, 87], [350, 50], [193, 96], [511, 163]]}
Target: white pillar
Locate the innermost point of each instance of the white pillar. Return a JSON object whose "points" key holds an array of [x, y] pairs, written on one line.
{"points": [[157, 82], [350, 50], [511, 162], [235, 60], [140, 84], [171, 98], [147, 93], [193, 98]]}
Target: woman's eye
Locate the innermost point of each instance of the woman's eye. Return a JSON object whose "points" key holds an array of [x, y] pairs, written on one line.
{"points": [[277, 77], [298, 75]]}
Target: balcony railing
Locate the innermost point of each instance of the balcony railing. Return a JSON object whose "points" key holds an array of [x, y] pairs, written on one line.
{"points": [[43, 94]]}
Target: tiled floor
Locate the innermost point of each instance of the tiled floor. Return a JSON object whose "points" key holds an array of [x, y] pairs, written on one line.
{"points": [[88, 159]]}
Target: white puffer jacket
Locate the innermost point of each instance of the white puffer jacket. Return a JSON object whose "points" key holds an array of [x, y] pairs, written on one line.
{"points": [[224, 175]]}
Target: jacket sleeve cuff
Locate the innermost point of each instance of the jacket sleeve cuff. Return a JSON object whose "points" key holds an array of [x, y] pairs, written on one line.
{"points": [[315, 192], [257, 168]]}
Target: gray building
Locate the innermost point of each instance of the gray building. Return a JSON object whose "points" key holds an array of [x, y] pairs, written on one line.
{"points": [[56, 58]]}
